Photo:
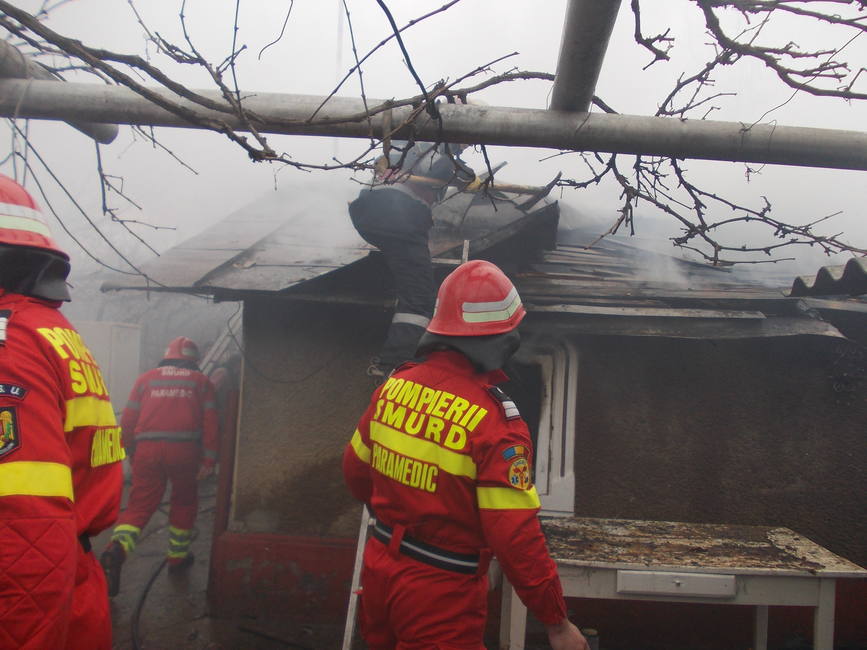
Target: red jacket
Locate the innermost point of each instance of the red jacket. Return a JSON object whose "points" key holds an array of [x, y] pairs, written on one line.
{"points": [[172, 403], [60, 470], [443, 452]]}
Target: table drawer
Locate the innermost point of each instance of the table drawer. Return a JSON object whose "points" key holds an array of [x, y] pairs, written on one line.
{"points": [[707, 585]]}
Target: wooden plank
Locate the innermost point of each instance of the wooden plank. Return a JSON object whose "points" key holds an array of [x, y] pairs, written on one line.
{"points": [[683, 328], [858, 306], [566, 288], [645, 312]]}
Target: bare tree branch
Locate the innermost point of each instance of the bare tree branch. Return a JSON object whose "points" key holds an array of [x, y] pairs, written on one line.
{"points": [[739, 30]]}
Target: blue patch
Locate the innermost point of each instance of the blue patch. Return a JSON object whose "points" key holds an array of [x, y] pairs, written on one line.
{"points": [[516, 450], [12, 390]]}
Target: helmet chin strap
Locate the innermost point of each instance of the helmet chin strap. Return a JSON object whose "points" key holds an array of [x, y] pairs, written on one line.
{"points": [[487, 353]]}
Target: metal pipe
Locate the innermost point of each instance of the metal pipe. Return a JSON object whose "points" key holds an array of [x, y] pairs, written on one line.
{"points": [[519, 127], [13, 64], [586, 32]]}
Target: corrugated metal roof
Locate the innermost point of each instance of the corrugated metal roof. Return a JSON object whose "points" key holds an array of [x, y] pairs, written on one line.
{"points": [[848, 279]]}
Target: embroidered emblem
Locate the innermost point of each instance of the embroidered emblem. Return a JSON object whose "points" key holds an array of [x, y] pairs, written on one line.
{"points": [[11, 390], [10, 437], [516, 450], [519, 474], [510, 411]]}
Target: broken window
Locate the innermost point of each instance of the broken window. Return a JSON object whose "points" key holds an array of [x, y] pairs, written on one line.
{"points": [[543, 384]]}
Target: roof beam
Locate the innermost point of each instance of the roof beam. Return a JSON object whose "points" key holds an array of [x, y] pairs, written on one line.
{"points": [[13, 64], [586, 31], [519, 127]]}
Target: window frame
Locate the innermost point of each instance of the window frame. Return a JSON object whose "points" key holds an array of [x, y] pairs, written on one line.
{"points": [[554, 462]]}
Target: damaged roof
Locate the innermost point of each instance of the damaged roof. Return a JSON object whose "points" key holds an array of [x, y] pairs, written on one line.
{"points": [[612, 287], [288, 238], [302, 246]]}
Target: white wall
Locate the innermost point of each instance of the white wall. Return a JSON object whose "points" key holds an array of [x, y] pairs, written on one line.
{"points": [[116, 347]]}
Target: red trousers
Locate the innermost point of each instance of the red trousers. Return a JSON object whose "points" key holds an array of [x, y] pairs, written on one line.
{"points": [[408, 605], [90, 623], [155, 462]]}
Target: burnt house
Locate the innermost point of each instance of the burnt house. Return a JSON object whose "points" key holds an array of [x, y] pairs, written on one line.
{"points": [[656, 389]]}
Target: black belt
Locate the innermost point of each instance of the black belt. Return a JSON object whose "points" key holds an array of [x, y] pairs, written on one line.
{"points": [[84, 540], [428, 554]]}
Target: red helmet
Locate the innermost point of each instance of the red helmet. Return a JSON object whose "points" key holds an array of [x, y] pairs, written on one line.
{"points": [[183, 349], [21, 222], [476, 299]]}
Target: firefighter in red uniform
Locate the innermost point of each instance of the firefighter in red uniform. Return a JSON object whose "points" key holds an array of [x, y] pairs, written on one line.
{"points": [[60, 448], [170, 431], [442, 458]]}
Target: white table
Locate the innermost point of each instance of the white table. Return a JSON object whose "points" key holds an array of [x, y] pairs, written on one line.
{"points": [[695, 563]]}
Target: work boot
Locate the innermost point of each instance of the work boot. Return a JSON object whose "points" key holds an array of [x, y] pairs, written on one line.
{"points": [[178, 564], [112, 560]]}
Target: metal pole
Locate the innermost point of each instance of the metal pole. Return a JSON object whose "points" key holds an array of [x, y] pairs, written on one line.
{"points": [[586, 32], [518, 127], [13, 64]]}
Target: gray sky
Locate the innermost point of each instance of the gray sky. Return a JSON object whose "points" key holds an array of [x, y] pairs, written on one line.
{"points": [[315, 51]]}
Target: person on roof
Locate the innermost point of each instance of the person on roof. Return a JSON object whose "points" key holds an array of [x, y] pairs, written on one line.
{"points": [[394, 214], [442, 459], [60, 447], [170, 429]]}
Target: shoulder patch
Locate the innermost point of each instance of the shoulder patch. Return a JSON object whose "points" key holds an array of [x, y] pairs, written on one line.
{"points": [[10, 436], [519, 474], [513, 451], [12, 390], [510, 411]]}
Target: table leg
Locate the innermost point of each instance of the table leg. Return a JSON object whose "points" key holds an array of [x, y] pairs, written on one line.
{"points": [[823, 616], [513, 619], [760, 628]]}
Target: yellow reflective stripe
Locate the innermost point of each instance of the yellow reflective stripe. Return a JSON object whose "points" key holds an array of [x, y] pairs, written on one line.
{"points": [[38, 479], [178, 554], [421, 449], [180, 532], [361, 450], [126, 535], [504, 498], [88, 411], [127, 528]]}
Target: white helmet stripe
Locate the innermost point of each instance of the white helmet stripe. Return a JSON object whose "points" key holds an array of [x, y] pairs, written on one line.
{"points": [[492, 306], [15, 210], [488, 312], [16, 222]]}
